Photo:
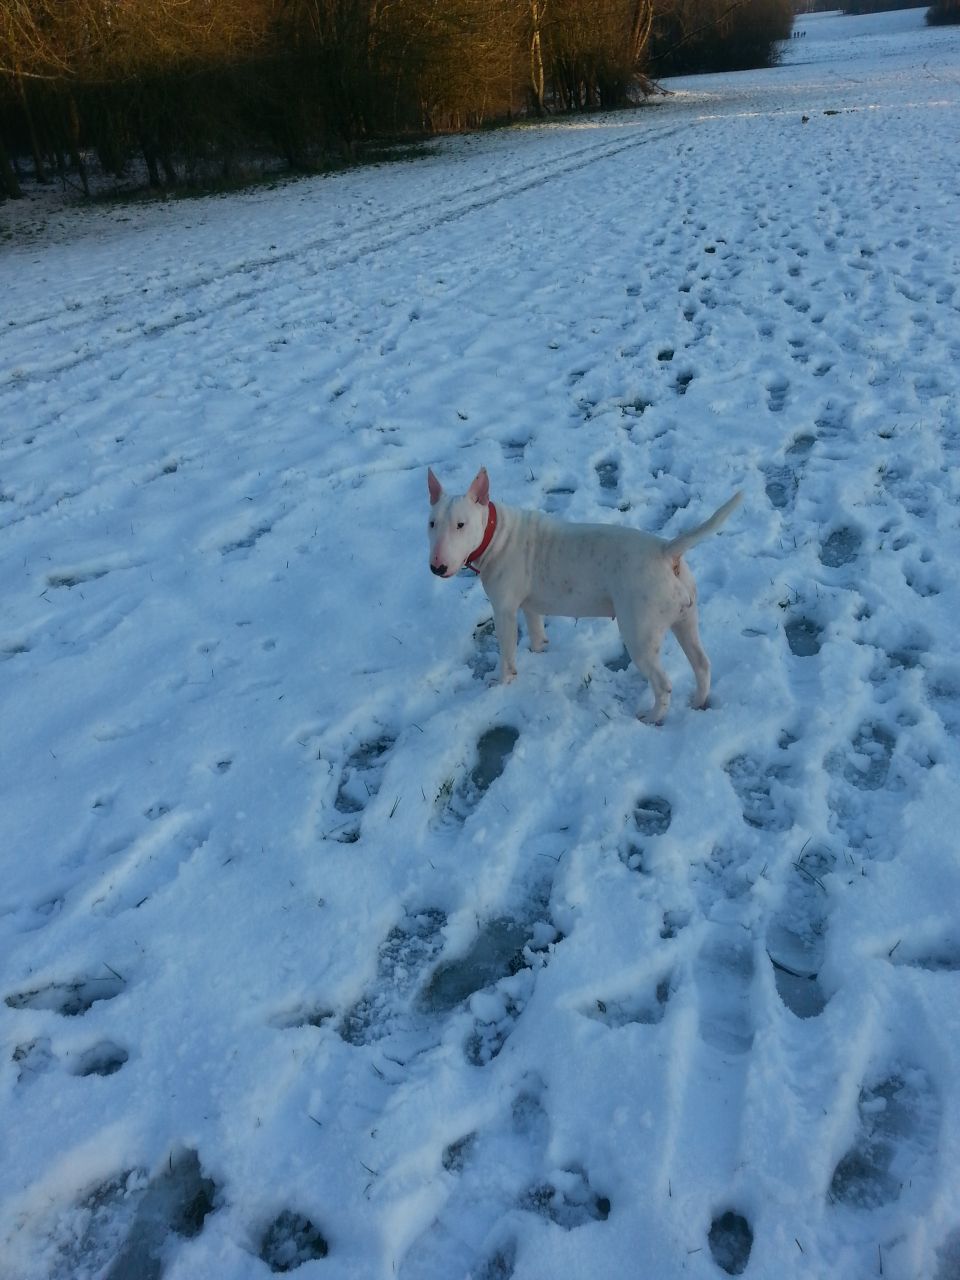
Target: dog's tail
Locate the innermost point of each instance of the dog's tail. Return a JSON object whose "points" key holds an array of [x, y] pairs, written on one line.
{"points": [[677, 546]]}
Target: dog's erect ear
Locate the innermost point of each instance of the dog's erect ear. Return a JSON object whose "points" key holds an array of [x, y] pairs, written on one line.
{"points": [[479, 491], [435, 487]]}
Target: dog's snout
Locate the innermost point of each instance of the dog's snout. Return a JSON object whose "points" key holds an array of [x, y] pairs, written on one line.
{"points": [[439, 569]]}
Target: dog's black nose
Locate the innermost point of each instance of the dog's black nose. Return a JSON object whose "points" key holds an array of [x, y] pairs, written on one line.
{"points": [[440, 570]]}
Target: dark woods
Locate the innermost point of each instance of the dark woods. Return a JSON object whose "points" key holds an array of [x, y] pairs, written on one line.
{"points": [[198, 91]]}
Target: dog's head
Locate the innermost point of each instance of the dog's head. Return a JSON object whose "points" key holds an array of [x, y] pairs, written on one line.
{"points": [[456, 524]]}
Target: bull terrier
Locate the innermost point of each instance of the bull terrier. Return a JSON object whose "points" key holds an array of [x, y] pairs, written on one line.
{"points": [[541, 565]]}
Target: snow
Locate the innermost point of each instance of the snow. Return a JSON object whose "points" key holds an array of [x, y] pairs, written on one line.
{"points": [[320, 952]]}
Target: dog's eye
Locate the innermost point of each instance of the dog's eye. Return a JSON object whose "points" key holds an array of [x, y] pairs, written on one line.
{"points": [[433, 524], [459, 524]]}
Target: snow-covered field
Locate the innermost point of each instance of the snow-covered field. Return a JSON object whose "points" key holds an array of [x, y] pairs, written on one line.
{"points": [[314, 943]]}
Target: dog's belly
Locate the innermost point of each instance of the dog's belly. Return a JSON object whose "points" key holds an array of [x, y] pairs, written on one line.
{"points": [[572, 568], [570, 600]]}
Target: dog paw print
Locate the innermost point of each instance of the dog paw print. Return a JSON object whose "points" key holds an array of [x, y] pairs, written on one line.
{"points": [[804, 636], [731, 1240], [840, 547], [291, 1240]]}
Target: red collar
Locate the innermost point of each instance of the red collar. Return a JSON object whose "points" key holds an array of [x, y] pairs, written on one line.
{"points": [[487, 538]]}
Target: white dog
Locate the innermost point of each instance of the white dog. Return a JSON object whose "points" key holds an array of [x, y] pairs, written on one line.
{"points": [[531, 562]]}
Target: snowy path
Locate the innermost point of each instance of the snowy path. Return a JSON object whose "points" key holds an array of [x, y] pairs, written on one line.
{"points": [[314, 943]]}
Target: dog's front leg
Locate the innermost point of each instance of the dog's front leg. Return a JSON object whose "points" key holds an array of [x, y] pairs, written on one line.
{"points": [[505, 623], [538, 637]]}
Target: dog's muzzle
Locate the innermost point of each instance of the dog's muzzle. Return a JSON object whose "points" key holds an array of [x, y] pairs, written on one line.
{"points": [[439, 569]]}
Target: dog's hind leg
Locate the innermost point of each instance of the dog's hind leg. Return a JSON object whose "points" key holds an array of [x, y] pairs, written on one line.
{"points": [[643, 641], [687, 631]]}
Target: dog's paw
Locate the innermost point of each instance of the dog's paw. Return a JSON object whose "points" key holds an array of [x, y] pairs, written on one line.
{"points": [[540, 646], [651, 717]]}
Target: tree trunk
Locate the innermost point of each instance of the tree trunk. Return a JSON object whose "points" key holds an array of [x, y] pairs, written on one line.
{"points": [[73, 134], [38, 165], [9, 183], [537, 8]]}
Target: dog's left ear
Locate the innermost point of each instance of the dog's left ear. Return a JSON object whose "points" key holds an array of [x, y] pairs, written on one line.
{"points": [[434, 486], [479, 491]]}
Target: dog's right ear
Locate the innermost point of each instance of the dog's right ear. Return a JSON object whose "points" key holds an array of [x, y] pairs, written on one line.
{"points": [[435, 487]]}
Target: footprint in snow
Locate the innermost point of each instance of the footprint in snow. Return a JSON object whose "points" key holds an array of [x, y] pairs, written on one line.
{"points": [[567, 1199], [936, 955], [783, 480], [682, 381], [291, 1240], [796, 936], [457, 800], [32, 1059], [498, 963], [922, 579], [404, 956], [247, 541], [724, 976], [103, 1059], [513, 449], [496, 952], [76, 577], [360, 781], [149, 864], [557, 500], [943, 690], [486, 1171], [759, 787], [867, 765], [608, 475], [730, 1239], [484, 660], [125, 1226], [69, 999], [804, 635], [645, 1006], [840, 547], [777, 395], [895, 1148], [500, 1265], [652, 816]]}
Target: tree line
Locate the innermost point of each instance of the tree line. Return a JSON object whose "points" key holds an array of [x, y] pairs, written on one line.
{"points": [[193, 88]]}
